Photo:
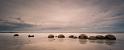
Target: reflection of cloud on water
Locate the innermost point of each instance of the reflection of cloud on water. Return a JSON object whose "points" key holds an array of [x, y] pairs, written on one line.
{"points": [[12, 44]]}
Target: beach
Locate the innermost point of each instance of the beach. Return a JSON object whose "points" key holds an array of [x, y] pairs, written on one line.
{"points": [[40, 41]]}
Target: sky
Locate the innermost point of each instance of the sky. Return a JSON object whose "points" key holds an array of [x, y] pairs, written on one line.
{"points": [[62, 15]]}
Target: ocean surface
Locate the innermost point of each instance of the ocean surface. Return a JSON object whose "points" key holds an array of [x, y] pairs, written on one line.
{"points": [[41, 42]]}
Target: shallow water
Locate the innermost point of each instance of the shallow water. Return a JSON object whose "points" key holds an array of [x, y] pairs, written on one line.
{"points": [[41, 42]]}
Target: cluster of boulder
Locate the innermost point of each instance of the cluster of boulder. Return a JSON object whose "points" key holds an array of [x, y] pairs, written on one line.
{"points": [[28, 35], [72, 36], [59, 36], [83, 36]]}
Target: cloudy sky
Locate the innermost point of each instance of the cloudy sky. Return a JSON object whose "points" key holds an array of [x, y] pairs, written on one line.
{"points": [[62, 15]]}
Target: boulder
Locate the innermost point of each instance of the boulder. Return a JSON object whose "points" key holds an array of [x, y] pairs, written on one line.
{"points": [[61, 36], [75, 37], [50, 36], [100, 37], [30, 35], [16, 35], [92, 38], [110, 37], [83, 36], [71, 36]]}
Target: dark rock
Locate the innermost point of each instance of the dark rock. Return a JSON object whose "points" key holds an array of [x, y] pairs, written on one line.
{"points": [[92, 38], [100, 37], [83, 36], [50, 36], [75, 37], [71, 36], [16, 35], [61, 36], [30, 35], [110, 37]]}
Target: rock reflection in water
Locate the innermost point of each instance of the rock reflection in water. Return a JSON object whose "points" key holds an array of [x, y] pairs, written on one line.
{"points": [[100, 41], [60, 39], [92, 41], [51, 39], [107, 42], [82, 41], [85, 41], [110, 42]]}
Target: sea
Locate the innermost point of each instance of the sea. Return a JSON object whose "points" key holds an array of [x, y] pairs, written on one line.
{"points": [[40, 41]]}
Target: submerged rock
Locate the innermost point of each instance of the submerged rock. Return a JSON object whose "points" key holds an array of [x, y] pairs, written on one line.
{"points": [[16, 35], [92, 38], [100, 37], [30, 35], [50, 36], [83, 36], [61, 36], [71, 36], [110, 37]]}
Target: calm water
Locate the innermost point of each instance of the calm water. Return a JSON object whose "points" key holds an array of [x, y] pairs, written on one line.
{"points": [[41, 42]]}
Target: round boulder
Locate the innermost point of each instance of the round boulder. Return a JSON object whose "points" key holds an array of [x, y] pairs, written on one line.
{"points": [[71, 36], [92, 38], [30, 35], [100, 37], [110, 37], [16, 35], [83, 36], [50, 36], [61, 36], [75, 37]]}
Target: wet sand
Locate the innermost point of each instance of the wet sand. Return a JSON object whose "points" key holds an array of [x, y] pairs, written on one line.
{"points": [[41, 42]]}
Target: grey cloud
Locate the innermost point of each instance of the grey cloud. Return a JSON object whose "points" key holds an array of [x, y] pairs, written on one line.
{"points": [[11, 27], [107, 14]]}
